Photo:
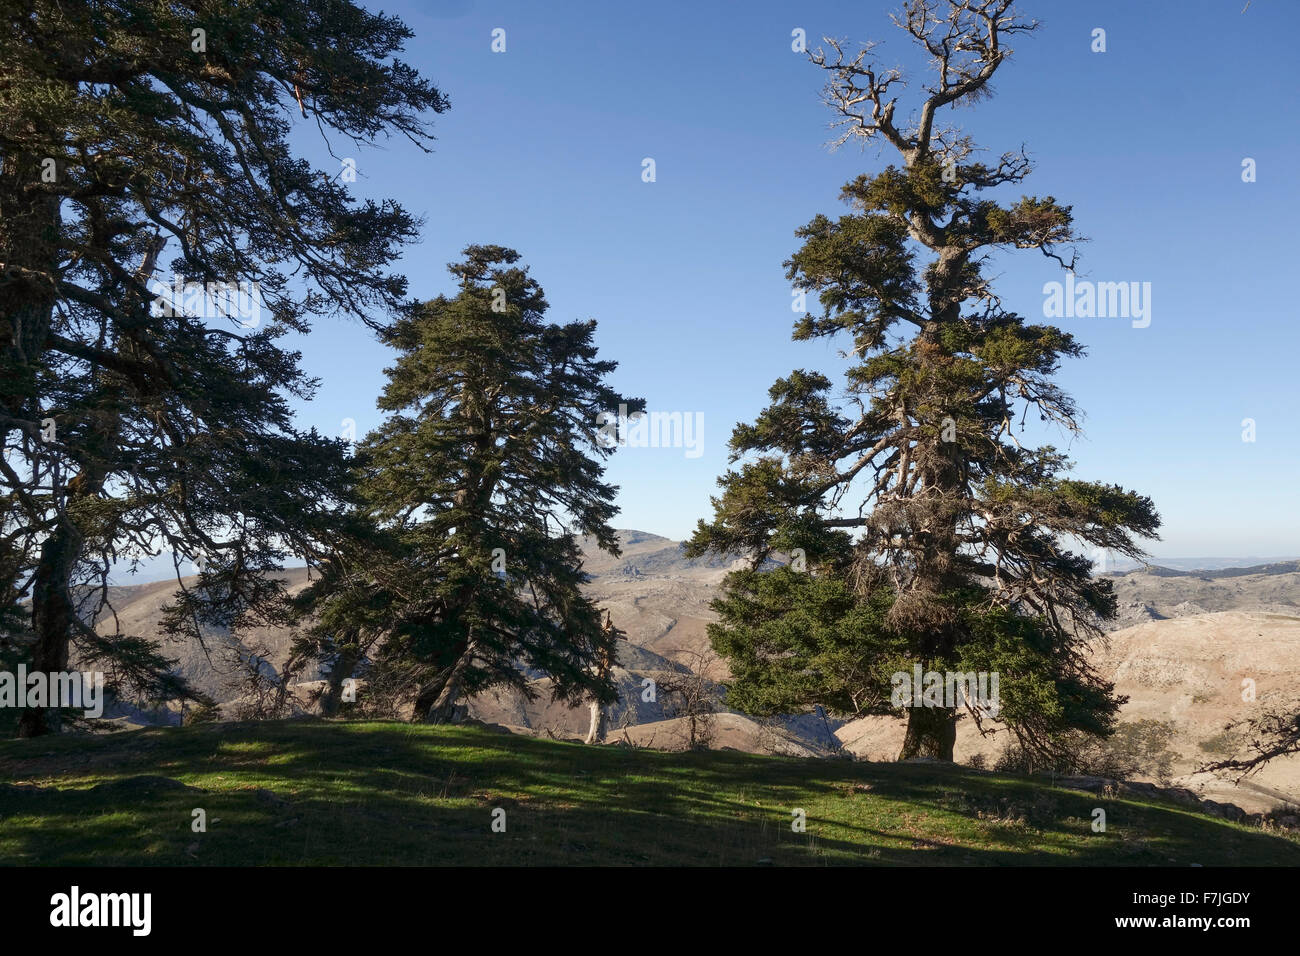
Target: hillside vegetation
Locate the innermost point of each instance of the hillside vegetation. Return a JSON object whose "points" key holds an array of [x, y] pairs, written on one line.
{"points": [[315, 792]]}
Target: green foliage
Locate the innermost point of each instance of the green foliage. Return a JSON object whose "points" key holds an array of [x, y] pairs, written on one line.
{"points": [[793, 639], [203, 713], [473, 490], [127, 143], [932, 534]]}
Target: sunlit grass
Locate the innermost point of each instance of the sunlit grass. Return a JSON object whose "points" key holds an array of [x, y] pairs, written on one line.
{"points": [[327, 793]]}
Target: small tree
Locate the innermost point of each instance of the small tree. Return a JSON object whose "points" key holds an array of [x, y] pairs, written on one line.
{"points": [[693, 696]]}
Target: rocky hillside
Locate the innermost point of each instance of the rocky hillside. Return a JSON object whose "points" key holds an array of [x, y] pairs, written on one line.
{"points": [[1156, 593], [1183, 677]]}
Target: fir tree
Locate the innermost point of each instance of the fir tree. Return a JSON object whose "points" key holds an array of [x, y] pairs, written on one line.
{"points": [[488, 466], [133, 424], [922, 530]]}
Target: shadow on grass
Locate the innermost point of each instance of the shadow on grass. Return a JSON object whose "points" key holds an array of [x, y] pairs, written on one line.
{"points": [[342, 793]]}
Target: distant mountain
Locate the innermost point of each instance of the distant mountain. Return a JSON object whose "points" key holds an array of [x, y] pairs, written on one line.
{"points": [[1157, 593], [1230, 571], [1202, 564], [651, 553]]}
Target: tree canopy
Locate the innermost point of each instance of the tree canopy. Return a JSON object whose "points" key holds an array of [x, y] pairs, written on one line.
{"points": [[137, 421]]}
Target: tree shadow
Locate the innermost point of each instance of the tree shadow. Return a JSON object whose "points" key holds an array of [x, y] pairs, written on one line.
{"points": [[343, 793]]}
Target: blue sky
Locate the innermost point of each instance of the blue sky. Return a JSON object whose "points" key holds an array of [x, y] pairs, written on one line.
{"points": [[542, 151]]}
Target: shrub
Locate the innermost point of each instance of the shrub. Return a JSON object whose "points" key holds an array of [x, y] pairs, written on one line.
{"points": [[1137, 748]]}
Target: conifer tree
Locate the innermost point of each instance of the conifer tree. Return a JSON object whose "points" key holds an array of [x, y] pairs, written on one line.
{"points": [[487, 468], [922, 530], [135, 134]]}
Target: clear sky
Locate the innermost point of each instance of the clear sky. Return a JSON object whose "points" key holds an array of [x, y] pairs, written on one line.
{"points": [[542, 151]]}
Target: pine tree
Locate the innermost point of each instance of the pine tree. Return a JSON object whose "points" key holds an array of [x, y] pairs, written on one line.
{"points": [[486, 469], [135, 423], [922, 531]]}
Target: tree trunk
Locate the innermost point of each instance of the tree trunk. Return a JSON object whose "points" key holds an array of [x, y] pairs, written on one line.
{"points": [[29, 266], [343, 668], [53, 612], [445, 709], [931, 732], [52, 616], [437, 703], [29, 233], [596, 730]]}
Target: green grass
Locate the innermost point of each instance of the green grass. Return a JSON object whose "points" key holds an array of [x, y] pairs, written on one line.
{"points": [[324, 793]]}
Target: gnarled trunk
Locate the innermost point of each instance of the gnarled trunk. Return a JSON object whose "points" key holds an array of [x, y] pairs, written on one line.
{"points": [[931, 732], [437, 703], [29, 230]]}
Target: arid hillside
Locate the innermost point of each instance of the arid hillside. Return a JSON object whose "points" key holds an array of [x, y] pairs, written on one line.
{"points": [[1183, 646], [1184, 676]]}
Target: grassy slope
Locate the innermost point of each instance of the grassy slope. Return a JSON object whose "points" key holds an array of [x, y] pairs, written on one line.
{"points": [[315, 792]]}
